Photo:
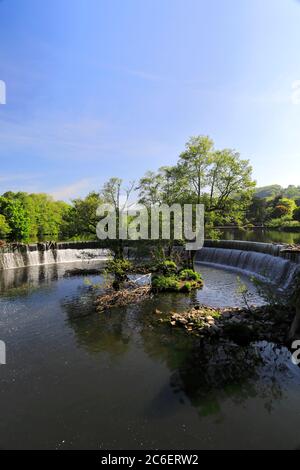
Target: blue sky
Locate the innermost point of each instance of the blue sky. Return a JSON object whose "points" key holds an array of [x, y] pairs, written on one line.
{"points": [[100, 88]]}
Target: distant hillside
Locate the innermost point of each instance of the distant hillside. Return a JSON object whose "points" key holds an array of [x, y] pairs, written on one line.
{"points": [[292, 192]]}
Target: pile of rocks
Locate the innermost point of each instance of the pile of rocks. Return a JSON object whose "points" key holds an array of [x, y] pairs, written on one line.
{"points": [[236, 324]]}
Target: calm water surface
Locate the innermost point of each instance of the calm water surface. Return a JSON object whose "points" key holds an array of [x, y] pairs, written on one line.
{"points": [[76, 379], [264, 236]]}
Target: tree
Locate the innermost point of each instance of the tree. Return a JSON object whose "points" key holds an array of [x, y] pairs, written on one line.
{"points": [[114, 193], [17, 217], [219, 179], [81, 219], [257, 212], [196, 160], [46, 216], [230, 182], [168, 185]]}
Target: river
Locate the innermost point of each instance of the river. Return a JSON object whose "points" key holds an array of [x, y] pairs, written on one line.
{"points": [[75, 379]]}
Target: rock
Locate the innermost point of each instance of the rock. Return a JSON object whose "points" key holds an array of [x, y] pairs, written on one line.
{"points": [[157, 312], [235, 320], [226, 315]]}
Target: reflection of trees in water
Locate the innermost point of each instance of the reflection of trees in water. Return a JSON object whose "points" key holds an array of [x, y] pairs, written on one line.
{"points": [[205, 373], [22, 282], [96, 332]]}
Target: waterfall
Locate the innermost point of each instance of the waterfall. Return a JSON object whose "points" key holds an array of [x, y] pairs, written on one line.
{"points": [[262, 265], [21, 256]]}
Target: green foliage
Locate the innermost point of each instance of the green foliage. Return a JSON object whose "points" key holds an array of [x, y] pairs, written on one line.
{"points": [[81, 220], [275, 190], [4, 227], [284, 207], [19, 222], [273, 212], [33, 217], [268, 191], [219, 179], [189, 275], [283, 222], [167, 268], [119, 267], [171, 280], [165, 283]]}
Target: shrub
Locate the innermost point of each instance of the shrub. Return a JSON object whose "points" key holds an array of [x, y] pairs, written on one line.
{"points": [[119, 267], [189, 275], [165, 283], [167, 268]]}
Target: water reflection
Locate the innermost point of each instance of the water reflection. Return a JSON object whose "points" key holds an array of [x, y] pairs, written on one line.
{"points": [[124, 380], [96, 333], [22, 281], [261, 235], [201, 373]]}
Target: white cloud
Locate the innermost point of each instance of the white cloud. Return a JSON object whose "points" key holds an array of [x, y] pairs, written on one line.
{"points": [[72, 190]]}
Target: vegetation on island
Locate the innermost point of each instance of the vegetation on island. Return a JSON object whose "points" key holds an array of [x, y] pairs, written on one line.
{"points": [[169, 278]]}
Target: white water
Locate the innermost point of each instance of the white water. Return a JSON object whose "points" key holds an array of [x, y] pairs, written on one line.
{"points": [[26, 257], [269, 268]]}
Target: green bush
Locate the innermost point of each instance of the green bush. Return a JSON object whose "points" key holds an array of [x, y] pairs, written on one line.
{"points": [[189, 275], [119, 267], [165, 283], [167, 268]]}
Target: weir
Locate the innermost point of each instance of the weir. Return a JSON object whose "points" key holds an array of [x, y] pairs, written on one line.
{"points": [[268, 262], [20, 256], [271, 262]]}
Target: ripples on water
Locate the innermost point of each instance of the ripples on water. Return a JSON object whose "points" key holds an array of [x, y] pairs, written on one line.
{"points": [[77, 379]]}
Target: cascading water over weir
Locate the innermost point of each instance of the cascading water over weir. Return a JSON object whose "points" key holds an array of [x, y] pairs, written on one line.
{"points": [[268, 262], [20, 256]]}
